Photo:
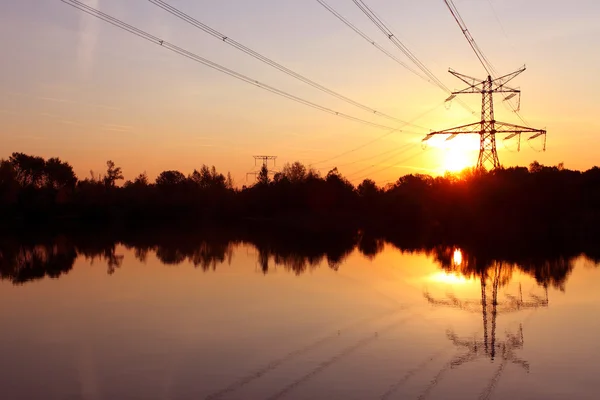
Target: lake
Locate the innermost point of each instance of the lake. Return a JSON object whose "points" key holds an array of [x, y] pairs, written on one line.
{"points": [[239, 320]]}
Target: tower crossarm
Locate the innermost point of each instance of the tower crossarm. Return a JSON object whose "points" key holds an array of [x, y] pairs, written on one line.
{"points": [[497, 85], [476, 89], [469, 80], [459, 130], [514, 130], [503, 80]]}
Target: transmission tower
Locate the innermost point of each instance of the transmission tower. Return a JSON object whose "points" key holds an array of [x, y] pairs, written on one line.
{"points": [[264, 164], [488, 127]]}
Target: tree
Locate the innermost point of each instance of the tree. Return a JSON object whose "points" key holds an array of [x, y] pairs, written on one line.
{"points": [[113, 174], [229, 182], [170, 178], [535, 167], [263, 176], [9, 187], [142, 180], [208, 178], [367, 189], [295, 172], [29, 170], [59, 175]]}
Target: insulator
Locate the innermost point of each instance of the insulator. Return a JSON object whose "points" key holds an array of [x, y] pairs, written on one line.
{"points": [[537, 135]]}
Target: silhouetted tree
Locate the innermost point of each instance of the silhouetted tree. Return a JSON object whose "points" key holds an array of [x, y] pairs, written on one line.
{"points": [[208, 178], [59, 175], [29, 170], [368, 189], [295, 172], [229, 182], [113, 174], [263, 176], [170, 178], [9, 187]]}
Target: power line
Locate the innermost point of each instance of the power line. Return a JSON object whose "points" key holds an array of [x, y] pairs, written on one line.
{"points": [[487, 65], [368, 39], [388, 167], [404, 150], [354, 149], [386, 31], [397, 150], [374, 140], [493, 8], [176, 49], [378, 22], [226, 39]]}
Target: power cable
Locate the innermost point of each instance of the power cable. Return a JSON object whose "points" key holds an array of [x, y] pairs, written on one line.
{"points": [[429, 76], [368, 39], [151, 38], [395, 150], [226, 39], [412, 146], [388, 166], [493, 8], [487, 65], [376, 139]]}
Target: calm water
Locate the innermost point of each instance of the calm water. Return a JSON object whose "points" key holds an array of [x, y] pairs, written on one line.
{"points": [[229, 321]]}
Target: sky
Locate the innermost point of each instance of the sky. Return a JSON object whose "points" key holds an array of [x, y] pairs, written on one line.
{"points": [[77, 88]]}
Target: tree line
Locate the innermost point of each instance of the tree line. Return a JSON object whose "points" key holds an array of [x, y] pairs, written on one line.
{"points": [[538, 203]]}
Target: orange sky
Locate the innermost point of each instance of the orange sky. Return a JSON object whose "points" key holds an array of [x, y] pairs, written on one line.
{"points": [[74, 87]]}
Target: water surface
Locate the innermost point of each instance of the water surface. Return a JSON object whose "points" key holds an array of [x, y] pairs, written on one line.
{"points": [[234, 320]]}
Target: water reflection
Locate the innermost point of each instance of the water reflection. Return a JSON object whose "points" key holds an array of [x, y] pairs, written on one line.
{"points": [[22, 260], [474, 316], [492, 275]]}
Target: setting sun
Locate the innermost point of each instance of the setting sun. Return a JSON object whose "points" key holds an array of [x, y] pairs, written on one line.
{"points": [[456, 159]]}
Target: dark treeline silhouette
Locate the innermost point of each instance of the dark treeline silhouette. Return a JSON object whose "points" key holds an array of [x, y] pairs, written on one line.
{"points": [[542, 204], [25, 257]]}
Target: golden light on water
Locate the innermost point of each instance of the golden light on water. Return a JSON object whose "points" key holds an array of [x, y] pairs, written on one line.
{"points": [[451, 279], [457, 257]]}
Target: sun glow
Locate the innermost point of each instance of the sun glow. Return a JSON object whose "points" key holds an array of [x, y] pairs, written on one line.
{"points": [[457, 257], [451, 279], [456, 159]]}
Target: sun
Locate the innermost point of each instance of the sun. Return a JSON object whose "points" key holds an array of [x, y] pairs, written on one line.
{"points": [[456, 159]]}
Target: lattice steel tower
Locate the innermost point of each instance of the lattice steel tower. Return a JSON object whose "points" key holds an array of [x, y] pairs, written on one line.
{"points": [[264, 164], [488, 127]]}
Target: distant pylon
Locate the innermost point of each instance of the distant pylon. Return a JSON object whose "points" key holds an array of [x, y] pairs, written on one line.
{"points": [[488, 127], [265, 163]]}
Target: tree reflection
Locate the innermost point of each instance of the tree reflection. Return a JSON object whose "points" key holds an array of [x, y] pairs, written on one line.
{"points": [[24, 262], [23, 259]]}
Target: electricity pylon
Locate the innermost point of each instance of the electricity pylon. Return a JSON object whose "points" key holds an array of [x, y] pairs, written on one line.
{"points": [[265, 164], [488, 127]]}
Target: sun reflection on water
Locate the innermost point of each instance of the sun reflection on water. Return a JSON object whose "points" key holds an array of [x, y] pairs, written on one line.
{"points": [[444, 277], [457, 257]]}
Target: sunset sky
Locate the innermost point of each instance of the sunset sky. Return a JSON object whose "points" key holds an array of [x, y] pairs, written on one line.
{"points": [[75, 87]]}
